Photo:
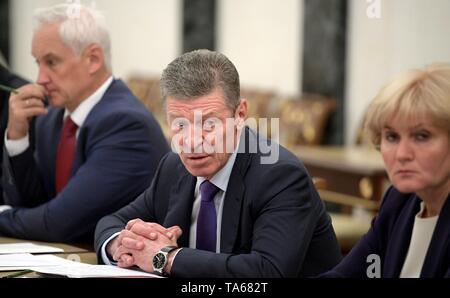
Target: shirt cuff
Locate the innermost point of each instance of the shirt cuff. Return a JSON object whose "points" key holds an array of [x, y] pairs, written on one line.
{"points": [[106, 260], [4, 208], [175, 254], [173, 258], [16, 147]]}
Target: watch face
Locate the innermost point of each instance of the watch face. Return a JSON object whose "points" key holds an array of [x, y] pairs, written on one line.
{"points": [[159, 260]]}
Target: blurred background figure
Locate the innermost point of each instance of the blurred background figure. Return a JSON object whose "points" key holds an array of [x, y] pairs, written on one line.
{"points": [[12, 80], [409, 121]]}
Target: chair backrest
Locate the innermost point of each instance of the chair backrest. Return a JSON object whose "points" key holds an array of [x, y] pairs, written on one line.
{"points": [[146, 89], [261, 104], [303, 119]]}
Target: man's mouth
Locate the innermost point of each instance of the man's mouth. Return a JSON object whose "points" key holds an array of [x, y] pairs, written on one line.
{"points": [[196, 156]]}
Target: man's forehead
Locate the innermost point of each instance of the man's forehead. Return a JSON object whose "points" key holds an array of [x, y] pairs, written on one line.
{"points": [[47, 41], [205, 105], [47, 31]]}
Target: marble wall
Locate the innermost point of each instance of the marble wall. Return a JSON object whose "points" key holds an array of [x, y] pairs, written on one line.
{"points": [[324, 58]]}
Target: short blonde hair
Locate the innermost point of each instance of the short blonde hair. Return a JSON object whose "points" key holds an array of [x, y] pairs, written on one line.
{"points": [[420, 92]]}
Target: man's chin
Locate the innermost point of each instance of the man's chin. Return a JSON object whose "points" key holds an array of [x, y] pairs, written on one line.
{"points": [[56, 102], [198, 171]]}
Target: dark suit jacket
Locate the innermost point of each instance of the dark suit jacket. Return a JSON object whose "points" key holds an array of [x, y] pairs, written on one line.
{"points": [[9, 79], [273, 223], [389, 238], [118, 149]]}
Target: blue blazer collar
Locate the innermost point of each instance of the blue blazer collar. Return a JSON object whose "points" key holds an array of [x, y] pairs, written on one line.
{"points": [[398, 243], [438, 252]]}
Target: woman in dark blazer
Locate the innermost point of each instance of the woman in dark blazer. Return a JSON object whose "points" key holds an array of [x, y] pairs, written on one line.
{"points": [[409, 121]]}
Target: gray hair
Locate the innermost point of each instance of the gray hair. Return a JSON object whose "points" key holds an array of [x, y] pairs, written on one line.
{"points": [[80, 26], [198, 73]]}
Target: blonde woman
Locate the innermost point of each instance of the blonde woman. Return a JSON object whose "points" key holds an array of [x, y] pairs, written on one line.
{"points": [[409, 121]]}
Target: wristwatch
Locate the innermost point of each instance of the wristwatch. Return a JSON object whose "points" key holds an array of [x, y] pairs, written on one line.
{"points": [[160, 259]]}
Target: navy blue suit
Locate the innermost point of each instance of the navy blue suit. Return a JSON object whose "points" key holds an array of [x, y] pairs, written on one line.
{"points": [[273, 222], [118, 149], [389, 238]]}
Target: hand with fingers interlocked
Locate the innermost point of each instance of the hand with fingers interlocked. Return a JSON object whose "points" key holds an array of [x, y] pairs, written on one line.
{"points": [[137, 244]]}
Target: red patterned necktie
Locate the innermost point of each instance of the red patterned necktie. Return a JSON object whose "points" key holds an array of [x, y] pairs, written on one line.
{"points": [[66, 153]]}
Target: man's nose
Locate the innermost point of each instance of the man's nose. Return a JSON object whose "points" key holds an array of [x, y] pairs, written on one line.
{"points": [[43, 77], [195, 137]]}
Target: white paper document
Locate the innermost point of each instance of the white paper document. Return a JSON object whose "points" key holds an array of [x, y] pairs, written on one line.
{"points": [[50, 264], [21, 261], [86, 270], [26, 247]]}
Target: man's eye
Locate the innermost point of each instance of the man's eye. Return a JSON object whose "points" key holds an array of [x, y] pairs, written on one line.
{"points": [[178, 125], [50, 62], [209, 125]]}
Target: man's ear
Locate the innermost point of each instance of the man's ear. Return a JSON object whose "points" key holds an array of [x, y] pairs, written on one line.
{"points": [[242, 109], [94, 57], [241, 114]]}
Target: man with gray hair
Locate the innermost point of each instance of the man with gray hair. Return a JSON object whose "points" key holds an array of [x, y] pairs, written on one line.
{"points": [[96, 147], [215, 209]]}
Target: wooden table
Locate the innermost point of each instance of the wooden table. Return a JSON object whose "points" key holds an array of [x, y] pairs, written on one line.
{"points": [[76, 252], [355, 180], [354, 175]]}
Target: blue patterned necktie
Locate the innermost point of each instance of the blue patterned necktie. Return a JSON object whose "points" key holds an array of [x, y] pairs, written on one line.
{"points": [[207, 219]]}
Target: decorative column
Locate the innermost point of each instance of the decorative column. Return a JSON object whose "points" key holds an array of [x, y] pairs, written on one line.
{"points": [[324, 58], [4, 28], [199, 24]]}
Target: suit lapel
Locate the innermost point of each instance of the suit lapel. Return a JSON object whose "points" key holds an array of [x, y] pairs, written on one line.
{"points": [[54, 126], [234, 197], [433, 264], [179, 208], [231, 210], [399, 240], [80, 156]]}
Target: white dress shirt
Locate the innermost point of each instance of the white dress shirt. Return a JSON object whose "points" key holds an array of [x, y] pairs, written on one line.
{"points": [[420, 241], [79, 115], [220, 179]]}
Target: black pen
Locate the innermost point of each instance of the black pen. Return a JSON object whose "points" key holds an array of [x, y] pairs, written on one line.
{"points": [[8, 89], [15, 91], [19, 274]]}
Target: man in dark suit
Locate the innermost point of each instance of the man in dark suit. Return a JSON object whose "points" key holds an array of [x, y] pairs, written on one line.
{"points": [[96, 148], [220, 207], [9, 79]]}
